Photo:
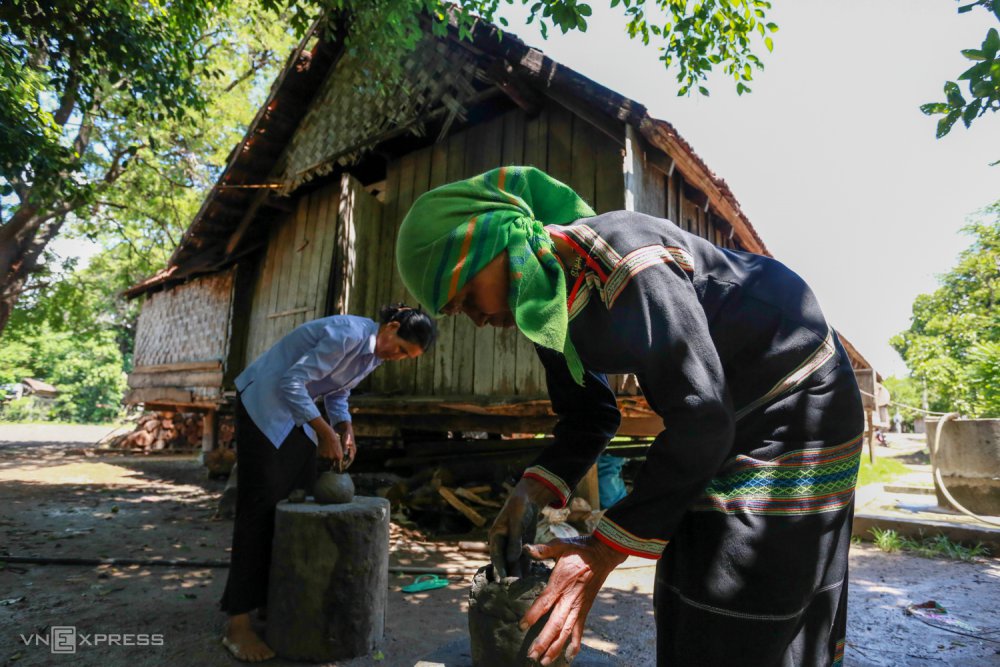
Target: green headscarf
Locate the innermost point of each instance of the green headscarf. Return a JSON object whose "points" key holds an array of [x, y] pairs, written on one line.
{"points": [[455, 230]]}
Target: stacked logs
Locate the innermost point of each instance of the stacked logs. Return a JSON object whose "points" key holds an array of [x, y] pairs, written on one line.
{"points": [[176, 431]]}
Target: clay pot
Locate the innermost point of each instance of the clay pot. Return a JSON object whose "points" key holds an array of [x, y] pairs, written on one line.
{"points": [[333, 488], [495, 608]]}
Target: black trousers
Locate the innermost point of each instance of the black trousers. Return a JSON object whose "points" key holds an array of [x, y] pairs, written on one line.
{"points": [[266, 475]]}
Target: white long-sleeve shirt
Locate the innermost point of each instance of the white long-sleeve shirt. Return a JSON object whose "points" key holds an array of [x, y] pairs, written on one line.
{"points": [[326, 357]]}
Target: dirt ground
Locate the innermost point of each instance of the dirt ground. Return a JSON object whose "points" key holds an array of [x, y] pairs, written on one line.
{"points": [[55, 500]]}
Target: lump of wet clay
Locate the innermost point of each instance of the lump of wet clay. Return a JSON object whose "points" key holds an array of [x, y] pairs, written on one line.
{"points": [[333, 488], [495, 608]]}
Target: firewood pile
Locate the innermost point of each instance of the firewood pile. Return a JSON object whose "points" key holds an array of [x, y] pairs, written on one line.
{"points": [[438, 500], [175, 431]]}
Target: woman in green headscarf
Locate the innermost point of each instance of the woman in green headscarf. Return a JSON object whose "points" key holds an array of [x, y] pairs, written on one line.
{"points": [[746, 495]]}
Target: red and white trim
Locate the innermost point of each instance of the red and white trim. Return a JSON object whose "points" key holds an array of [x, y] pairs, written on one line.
{"points": [[619, 539], [552, 482]]}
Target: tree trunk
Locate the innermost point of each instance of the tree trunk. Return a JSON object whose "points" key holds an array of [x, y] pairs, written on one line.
{"points": [[22, 240]]}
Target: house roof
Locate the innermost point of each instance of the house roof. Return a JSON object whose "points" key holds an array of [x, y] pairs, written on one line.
{"points": [[39, 387], [213, 239], [216, 237]]}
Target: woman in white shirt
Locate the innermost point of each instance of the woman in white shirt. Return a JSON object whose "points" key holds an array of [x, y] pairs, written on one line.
{"points": [[280, 434]]}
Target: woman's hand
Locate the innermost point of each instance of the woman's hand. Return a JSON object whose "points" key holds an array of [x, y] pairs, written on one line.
{"points": [[347, 442], [515, 526], [328, 443], [582, 565]]}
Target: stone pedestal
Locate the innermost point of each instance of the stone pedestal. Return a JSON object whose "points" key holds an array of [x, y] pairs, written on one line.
{"points": [[329, 579]]}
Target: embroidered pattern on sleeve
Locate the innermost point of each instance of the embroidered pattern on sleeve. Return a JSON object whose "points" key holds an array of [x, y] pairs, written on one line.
{"points": [[550, 480], [638, 261], [618, 538]]}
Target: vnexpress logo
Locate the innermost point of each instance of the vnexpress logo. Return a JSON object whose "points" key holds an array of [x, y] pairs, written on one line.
{"points": [[62, 639]]}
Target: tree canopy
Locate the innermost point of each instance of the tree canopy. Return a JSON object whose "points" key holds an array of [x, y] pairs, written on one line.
{"points": [[975, 91], [953, 343]]}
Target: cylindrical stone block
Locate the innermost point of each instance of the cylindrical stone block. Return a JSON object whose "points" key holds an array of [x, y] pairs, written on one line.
{"points": [[496, 608], [329, 579]]}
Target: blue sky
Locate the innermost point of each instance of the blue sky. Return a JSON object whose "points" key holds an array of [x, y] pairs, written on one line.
{"points": [[829, 156]]}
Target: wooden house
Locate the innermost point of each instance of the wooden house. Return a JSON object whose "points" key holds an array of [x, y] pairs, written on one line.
{"points": [[303, 220]]}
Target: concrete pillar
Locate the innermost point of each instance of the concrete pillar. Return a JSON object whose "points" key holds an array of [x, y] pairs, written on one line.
{"points": [[329, 579]]}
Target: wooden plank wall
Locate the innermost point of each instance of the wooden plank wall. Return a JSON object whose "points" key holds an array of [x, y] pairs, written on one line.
{"points": [[487, 362], [650, 190], [292, 282]]}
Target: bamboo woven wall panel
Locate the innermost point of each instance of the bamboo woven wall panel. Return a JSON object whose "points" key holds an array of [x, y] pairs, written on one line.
{"points": [[350, 109], [187, 323]]}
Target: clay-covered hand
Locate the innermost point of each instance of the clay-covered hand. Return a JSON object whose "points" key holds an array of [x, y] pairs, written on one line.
{"points": [[328, 443], [347, 442], [582, 565], [515, 526]]}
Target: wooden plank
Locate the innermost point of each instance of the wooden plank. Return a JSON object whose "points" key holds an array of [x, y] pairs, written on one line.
{"points": [[279, 281], [439, 355], [423, 366], [490, 156], [529, 376], [206, 365], [399, 375], [471, 514], [463, 354], [688, 213], [673, 214], [506, 340], [298, 276], [342, 211], [383, 250], [560, 161], [583, 168], [270, 303], [446, 369], [322, 236], [645, 182], [609, 187], [178, 379]]}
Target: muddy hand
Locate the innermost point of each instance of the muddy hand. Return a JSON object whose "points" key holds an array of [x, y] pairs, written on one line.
{"points": [[515, 526], [582, 565]]}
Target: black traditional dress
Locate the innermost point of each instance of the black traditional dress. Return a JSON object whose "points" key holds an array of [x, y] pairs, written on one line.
{"points": [[748, 492]]}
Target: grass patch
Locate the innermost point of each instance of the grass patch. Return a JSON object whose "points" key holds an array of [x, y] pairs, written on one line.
{"points": [[938, 546], [885, 470]]}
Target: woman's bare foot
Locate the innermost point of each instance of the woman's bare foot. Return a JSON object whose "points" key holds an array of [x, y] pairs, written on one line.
{"points": [[243, 642]]}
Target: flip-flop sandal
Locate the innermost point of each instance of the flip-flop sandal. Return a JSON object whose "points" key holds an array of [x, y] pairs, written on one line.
{"points": [[426, 582], [234, 649]]}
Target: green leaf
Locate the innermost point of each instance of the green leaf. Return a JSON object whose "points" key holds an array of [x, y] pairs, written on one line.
{"points": [[773, 27], [703, 90], [933, 108], [945, 124], [769, 43], [584, 10], [971, 112], [973, 54], [953, 94], [992, 43]]}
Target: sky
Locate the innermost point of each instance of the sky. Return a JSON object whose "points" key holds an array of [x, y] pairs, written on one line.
{"points": [[829, 156]]}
